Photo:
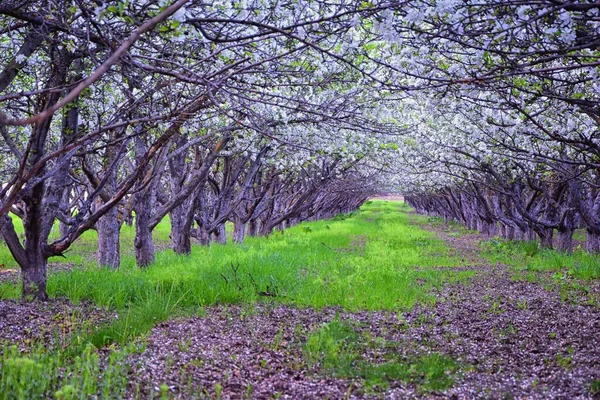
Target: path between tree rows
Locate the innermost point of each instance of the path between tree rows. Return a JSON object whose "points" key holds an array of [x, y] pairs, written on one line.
{"points": [[514, 339]]}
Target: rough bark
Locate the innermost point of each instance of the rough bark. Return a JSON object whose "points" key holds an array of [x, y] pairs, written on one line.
{"points": [[546, 236], [565, 240], [219, 235], [181, 226], [34, 277], [203, 237], [253, 227], [64, 205], [143, 244], [108, 227], [42, 202], [592, 243], [239, 231]]}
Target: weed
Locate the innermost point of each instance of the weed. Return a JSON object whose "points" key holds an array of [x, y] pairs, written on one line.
{"points": [[495, 307], [218, 390], [278, 338], [564, 361], [184, 346], [522, 304], [594, 387]]}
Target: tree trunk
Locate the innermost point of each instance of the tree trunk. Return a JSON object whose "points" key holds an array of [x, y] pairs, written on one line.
{"points": [[181, 229], [565, 240], [265, 229], [109, 255], [34, 279], [502, 231], [252, 227], [545, 236], [239, 231], [592, 243], [510, 232], [530, 235], [144, 246], [518, 234], [64, 205], [220, 236], [483, 226], [493, 229], [34, 268], [202, 236]]}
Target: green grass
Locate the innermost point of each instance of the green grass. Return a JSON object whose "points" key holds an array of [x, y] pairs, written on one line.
{"points": [[38, 373], [375, 259], [337, 348], [528, 256], [371, 260]]}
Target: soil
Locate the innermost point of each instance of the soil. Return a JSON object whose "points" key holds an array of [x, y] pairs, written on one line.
{"points": [[51, 323]]}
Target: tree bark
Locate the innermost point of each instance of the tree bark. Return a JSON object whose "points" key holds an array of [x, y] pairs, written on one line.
{"points": [[565, 240], [181, 226], [64, 205], [144, 246], [253, 227], [34, 277], [510, 232], [203, 237], [34, 269], [592, 243], [239, 231], [220, 235], [108, 227], [545, 235]]}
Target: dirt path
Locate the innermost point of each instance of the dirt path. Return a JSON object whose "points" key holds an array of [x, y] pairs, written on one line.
{"points": [[520, 338]]}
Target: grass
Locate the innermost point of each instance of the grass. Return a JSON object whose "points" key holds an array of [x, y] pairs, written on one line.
{"points": [[38, 373], [338, 349], [529, 257], [375, 259], [372, 260]]}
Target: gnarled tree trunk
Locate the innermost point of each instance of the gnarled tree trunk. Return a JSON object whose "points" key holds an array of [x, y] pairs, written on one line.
{"points": [[219, 235], [108, 227], [565, 240], [239, 231], [144, 246], [592, 243], [181, 228]]}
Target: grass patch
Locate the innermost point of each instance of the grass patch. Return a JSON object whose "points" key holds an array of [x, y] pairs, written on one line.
{"points": [[374, 260], [42, 373], [451, 225], [338, 349], [528, 256]]}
